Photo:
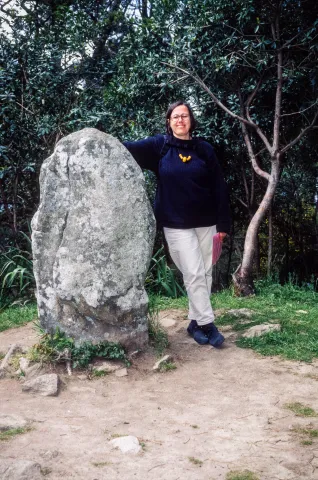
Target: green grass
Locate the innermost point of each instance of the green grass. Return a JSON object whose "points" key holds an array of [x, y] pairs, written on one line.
{"points": [[310, 432], [301, 410], [273, 303], [167, 367], [98, 373], [238, 475], [8, 434], [157, 334], [17, 316], [195, 461]]}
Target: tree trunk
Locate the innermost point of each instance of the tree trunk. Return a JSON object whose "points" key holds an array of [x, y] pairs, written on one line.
{"points": [[243, 277], [270, 241], [257, 257]]}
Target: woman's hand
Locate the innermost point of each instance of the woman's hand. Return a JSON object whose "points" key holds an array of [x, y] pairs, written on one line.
{"points": [[222, 235]]}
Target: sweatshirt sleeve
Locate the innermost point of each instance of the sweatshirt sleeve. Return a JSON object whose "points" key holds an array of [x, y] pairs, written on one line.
{"points": [[146, 152], [220, 192]]}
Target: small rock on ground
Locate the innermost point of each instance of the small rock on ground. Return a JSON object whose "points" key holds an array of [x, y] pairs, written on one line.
{"points": [[32, 371], [162, 360], [24, 364], [5, 362], [8, 422], [20, 470], [121, 373], [45, 385], [49, 454], [127, 444], [259, 330], [241, 312], [167, 322], [107, 367]]}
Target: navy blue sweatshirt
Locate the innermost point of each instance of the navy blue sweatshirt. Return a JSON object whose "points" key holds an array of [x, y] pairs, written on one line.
{"points": [[189, 194]]}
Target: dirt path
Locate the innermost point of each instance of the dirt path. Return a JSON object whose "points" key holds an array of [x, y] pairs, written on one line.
{"points": [[223, 407]]}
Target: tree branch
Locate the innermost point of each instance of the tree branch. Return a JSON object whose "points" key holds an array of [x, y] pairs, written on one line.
{"points": [[300, 111], [302, 133], [248, 144], [198, 80], [247, 193], [241, 201], [279, 89]]}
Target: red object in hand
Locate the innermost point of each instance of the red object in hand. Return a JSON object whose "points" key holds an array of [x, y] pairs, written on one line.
{"points": [[217, 248]]}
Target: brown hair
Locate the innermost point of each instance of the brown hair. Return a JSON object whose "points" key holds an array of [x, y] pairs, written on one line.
{"points": [[170, 110]]}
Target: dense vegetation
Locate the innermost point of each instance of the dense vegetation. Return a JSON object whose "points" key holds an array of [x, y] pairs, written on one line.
{"points": [[115, 65]]}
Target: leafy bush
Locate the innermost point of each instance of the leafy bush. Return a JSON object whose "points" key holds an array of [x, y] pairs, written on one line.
{"points": [[57, 347], [16, 273], [161, 279]]}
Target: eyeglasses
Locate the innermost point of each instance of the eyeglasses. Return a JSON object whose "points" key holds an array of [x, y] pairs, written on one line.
{"points": [[175, 118]]}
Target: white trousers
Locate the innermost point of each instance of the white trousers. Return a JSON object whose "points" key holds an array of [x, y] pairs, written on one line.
{"points": [[191, 251]]}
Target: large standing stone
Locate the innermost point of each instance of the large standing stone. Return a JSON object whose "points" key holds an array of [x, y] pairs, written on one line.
{"points": [[92, 241]]}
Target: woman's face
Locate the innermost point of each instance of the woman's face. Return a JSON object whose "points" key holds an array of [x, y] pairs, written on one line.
{"points": [[180, 122]]}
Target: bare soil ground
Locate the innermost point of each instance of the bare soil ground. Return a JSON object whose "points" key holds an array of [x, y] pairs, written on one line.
{"points": [[223, 407]]}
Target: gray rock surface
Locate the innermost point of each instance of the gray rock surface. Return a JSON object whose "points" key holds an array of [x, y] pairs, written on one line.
{"points": [[259, 330], [24, 364], [33, 371], [161, 361], [6, 360], [19, 470], [92, 241], [108, 366], [126, 444], [45, 385], [9, 422], [123, 372], [167, 322]]}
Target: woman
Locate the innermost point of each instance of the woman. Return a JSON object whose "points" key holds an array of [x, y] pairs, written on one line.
{"points": [[191, 205]]}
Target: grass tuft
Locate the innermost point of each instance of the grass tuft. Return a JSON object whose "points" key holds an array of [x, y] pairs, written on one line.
{"points": [[306, 443], [157, 334], [98, 373], [101, 464], [310, 432], [195, 461], [301, 410], [167, 367], [8, 434], [241, 475]]}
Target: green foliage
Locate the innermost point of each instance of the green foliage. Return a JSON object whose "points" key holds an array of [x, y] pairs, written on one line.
{"points": [[294, 307], [157, 334], [84, 353], [8, 434], [17, 316], [57, 347], [309, 431], [301, 410], [16, 273], [98, 373], [167, 367], [241, 475], [162, 279]]}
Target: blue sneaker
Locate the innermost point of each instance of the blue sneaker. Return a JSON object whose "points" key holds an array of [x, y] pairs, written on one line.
{"points": [[215, 338], [198, 335]]}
